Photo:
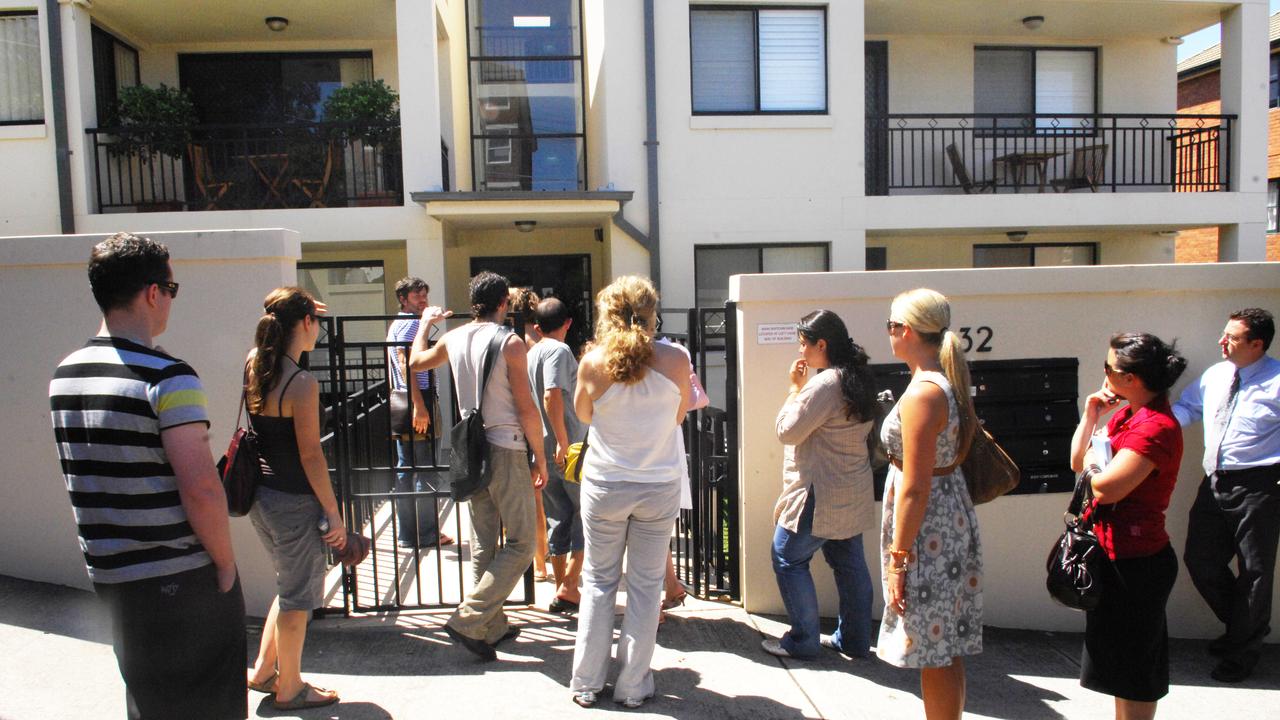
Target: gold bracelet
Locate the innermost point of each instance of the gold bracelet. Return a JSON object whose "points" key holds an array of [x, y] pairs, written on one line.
{"points": [[897, 570], [899, 554]]}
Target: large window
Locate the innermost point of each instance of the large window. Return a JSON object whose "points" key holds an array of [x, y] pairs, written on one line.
{"points": [[527, 125], [115, 67], [1028, 81], [1275, 80], [1273, 200], [268, 87], [21, 87], [1035, 255], [758, 60], [713, 264]]}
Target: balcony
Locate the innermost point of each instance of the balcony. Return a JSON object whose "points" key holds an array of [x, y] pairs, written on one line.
{"points": [[940, 153], [246, 167]]}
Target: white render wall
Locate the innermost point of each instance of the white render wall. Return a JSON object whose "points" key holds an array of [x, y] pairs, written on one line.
{"points": [[28, 176], [49, 312], [1034, 313]]}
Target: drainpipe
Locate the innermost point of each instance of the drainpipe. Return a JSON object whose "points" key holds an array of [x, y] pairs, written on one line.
{"points": [[651, 143], [57, 86]]}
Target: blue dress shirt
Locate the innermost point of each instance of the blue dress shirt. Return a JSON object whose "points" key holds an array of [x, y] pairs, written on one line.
{"points": [[1252, 435]]}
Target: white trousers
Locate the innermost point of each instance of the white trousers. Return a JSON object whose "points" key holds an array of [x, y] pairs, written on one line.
{"points": [[635, 519]]}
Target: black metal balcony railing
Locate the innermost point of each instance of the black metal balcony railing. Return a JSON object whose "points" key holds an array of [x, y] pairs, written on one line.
{"points": [[244, 167], [976, 153]]}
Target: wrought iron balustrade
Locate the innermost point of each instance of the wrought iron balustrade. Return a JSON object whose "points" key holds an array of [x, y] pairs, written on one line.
{"points": [[246, 167], [976, 153]]}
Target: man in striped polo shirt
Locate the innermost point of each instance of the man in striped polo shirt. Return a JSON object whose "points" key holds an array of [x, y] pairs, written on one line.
{"points": [[133, 434]]}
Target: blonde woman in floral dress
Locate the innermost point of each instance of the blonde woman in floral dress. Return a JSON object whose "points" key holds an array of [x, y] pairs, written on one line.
{"points": [[930, 547]]}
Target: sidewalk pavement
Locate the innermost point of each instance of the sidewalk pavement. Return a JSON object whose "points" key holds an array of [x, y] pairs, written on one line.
{"points": [[57, 663]]}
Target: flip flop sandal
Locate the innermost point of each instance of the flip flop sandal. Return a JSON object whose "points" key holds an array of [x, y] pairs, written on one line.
{"points": [[268, 686], [300, 701]]}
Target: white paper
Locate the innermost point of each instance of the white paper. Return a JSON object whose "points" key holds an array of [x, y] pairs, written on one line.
{"points": [[1101, 445]]}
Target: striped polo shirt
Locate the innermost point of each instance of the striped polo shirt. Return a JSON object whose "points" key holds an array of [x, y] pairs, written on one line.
{"points": [[110, 401]]}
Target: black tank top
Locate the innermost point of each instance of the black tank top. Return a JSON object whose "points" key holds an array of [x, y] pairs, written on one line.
{"points": [[278, 450]]}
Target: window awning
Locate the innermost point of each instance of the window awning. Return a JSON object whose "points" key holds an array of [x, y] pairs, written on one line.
{"points": [[502, 209]]}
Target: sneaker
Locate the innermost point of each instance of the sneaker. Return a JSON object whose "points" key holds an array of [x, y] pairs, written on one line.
{"points": [[829, 642], [774, 647], [479, 648], [631, 703], [512, 633], [585, 699]]}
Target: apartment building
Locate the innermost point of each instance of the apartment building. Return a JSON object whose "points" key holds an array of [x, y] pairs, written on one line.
{"points": [[564, 142], [1199, 80]]}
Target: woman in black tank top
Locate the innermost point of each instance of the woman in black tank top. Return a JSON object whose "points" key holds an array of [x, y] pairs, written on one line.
{"points": [[295, 497]]}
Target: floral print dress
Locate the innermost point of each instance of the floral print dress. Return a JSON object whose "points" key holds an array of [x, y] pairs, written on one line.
{"points": [[944, 575]]}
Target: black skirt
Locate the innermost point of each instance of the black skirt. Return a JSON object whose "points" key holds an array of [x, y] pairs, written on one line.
{"points": [[1126, 639]]}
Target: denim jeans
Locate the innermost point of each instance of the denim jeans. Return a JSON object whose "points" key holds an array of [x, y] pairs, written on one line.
{"points": [[791, 555], [423, 529]]}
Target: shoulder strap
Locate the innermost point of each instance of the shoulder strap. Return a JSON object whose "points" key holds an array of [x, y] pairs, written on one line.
{"points": [[490, 359], [243, 412], [283, 390]]}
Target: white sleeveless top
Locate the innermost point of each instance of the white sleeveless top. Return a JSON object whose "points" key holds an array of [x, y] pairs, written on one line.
{"points": [[467, 346], [632, 433]]}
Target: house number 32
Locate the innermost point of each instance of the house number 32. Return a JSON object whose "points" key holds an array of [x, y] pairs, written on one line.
{"points": [[983, 335]]}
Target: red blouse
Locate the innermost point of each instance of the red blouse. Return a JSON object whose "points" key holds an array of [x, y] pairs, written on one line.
{"points": [[1134, 527]]}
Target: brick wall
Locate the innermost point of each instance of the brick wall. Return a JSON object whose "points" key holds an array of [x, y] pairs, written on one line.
{"points": [[1198, 91]]}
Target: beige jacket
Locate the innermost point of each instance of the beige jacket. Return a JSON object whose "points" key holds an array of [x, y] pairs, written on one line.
{"points": [[826, 454]]}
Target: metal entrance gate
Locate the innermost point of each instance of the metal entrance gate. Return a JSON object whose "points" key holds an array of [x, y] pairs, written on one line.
{"points": [[708, 536], [351, 363]]}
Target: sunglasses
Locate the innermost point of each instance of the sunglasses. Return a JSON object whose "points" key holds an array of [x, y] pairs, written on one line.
{"points": [[1106, 368], [168, 286], [892, 325]]}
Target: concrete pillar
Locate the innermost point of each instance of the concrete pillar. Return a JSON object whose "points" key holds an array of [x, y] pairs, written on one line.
{"points": [[419, 96], [82, 110], [1245, 80], [849, 250]]}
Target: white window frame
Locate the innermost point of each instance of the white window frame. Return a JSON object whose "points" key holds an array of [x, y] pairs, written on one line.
{"points": [[759, 106], [1074, 126], [38, 79]]}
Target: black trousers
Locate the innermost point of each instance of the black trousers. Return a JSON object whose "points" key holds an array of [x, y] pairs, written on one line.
{"points": [[180, 645], [1236, 516]]}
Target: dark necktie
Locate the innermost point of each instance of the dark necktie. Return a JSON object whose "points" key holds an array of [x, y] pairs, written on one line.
{"points": [[1220, 419]]}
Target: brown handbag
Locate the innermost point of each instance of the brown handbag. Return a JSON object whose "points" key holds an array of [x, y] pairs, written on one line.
{"points": [[989, 472]]}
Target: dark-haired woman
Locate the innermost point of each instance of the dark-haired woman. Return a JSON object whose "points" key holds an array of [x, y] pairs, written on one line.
{"points": [[827, 495], [1126, 642], [295, 493]]}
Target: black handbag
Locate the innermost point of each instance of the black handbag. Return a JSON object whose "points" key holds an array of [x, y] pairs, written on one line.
{"points": [[470, 464], [241, 467], [1078, 568]]}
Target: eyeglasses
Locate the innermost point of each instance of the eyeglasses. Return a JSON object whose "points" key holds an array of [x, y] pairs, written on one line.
{"points": [[1234, 339], [892, 325], [168, 286]]}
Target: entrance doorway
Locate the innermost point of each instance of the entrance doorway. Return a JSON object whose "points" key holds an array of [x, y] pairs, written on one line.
{"points": [[567, 277]]}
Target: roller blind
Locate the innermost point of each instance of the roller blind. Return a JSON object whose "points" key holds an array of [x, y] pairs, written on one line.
{"points": [[793, 64], [21, 90], [1064, 81], [723, 59]]}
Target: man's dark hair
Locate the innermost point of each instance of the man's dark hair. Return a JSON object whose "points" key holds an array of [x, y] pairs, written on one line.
{"points": [[408, 285], [552, 314], [488, 291], [122, 266], [1260, 323]]}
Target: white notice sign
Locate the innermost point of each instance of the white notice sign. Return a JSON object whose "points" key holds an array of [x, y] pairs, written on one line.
{"points": [[776, 333]]}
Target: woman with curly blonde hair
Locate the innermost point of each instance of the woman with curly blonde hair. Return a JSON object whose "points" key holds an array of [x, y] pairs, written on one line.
{"points": [[634, 393]]}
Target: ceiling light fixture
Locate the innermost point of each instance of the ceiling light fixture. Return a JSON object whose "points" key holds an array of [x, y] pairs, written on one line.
{"points": [[1173, 40], [1016, 235], [277, 23], [1033, 22], [525, 226]]}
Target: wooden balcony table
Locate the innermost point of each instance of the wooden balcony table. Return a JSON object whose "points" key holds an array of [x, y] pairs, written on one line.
{"points": [[270, 169], [1017, 164]]}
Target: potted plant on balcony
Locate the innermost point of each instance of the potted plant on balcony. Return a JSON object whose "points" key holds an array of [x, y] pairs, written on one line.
{"points": [[150, 122], [366, 117]]}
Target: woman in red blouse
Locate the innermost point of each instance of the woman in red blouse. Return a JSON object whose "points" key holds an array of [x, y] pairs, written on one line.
{"points": [[1126, 641]]}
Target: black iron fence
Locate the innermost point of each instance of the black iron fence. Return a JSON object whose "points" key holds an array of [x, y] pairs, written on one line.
{"points": [[243, 167], [978, 153]]}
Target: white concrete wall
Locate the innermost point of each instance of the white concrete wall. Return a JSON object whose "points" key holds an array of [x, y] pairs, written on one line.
{"points": [[29, 180], [1035, 313], [49, 312]]}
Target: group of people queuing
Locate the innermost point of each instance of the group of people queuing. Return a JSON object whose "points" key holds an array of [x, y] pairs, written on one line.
{"points": [[131, 427]]}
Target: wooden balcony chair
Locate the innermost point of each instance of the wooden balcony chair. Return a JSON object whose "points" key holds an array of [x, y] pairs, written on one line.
{"points": [[1088, 168], [962, 174], [315, 188], [211, 188]]}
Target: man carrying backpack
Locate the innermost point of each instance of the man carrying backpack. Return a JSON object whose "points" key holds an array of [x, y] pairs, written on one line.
{"points": [[510, 417]]}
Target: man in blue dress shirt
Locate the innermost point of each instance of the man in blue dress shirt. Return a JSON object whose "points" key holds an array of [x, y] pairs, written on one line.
{"points": [[1236, 514]]}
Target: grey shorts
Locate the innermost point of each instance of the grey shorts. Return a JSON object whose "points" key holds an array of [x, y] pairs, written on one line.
{"points": [[286, 524]]}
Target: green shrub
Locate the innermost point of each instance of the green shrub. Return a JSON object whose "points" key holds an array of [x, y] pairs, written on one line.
{"points": [[372, 109], [152, 120]]}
